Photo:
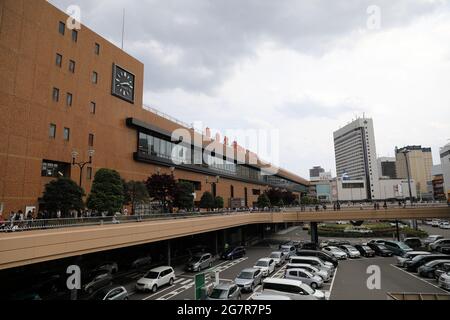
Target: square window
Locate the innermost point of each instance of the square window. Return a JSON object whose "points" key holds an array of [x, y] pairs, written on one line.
{"points": [[66, 134], [72, 66], [62, 28], [93, 107], [55, 94], [59, 60], [52, 131], [69, 99], [91, 140], [94, 77], [74, 35], [97, 49]]}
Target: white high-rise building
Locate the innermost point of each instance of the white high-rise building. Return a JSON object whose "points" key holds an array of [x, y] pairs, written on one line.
{"points": [[445, 165], [356, 155]]}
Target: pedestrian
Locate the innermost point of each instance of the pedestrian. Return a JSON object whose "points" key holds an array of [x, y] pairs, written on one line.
{"points": [[334, 207], [30, 215], [361, 206], [385, 206], [58, 214], [21, 216], [338, 206]]}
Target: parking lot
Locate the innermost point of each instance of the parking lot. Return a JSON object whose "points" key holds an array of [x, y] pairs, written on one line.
{"points": [[349, 283]]}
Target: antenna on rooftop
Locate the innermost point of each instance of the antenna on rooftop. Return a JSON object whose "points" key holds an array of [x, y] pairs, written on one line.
{"points": [[123, 26]]}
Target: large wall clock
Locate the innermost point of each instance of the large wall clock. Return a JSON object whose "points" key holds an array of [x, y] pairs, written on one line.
{"points": [[123, 84]]}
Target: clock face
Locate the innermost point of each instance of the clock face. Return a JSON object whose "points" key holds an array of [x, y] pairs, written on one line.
{"points": [[123, 84]]}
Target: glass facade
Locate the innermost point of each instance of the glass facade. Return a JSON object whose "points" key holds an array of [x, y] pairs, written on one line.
{"points": [[153, 146]]}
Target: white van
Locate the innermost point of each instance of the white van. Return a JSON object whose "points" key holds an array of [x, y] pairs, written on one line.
{"points": [[314, 261], [291, 287]]}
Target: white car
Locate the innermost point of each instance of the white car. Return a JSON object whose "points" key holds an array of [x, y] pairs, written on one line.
{"points": [[279, 258], [288, 251], [323, 273], [155, 279], [435, 223], [266, 265], [336, 252], [445, 225], [444, 281], [288, 286], [351, 251]]}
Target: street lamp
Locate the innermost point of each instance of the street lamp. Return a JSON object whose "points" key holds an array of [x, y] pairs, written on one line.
{"points": [[405, 153], [82, 164], [213, 184]]}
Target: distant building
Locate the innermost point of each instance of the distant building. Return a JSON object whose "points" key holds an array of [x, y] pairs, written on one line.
{"points": [[420, 162], [356, 156], [438, 183], [315, 172], [387, 167], [445, 165]]}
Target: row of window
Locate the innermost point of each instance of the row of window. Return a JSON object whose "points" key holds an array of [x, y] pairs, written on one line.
{"points": [[62, 31], [72, 65], [66, 134], [53, 169], [69, 100]]}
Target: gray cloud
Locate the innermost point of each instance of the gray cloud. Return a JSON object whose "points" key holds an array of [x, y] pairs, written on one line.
{"points": [[194, 44]]}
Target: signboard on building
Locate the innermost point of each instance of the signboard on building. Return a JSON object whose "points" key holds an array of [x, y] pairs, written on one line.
{"points": [[237, 203]]}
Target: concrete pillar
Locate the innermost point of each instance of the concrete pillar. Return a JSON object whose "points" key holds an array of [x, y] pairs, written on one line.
{"points": [[314, 233], [169, 253], [217, 242]]}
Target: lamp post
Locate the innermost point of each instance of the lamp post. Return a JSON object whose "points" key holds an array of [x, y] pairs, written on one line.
{"points": [[213, 183], [81, 164]]}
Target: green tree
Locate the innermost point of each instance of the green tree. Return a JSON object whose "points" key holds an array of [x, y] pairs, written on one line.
{"points": [[274, 195], [219, 203], [135, 193], [207, 201], [184, 195], [63, 194], [288, 198], [161, 187], [107, 193], [263, 201]]}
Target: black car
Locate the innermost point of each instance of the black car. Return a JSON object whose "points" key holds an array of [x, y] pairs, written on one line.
{"points": [[365, 251], [319, 254], [310, 246], [380, 250], [419, 261], [233, 253], [445, 250], [413, 243], [97, 281]]}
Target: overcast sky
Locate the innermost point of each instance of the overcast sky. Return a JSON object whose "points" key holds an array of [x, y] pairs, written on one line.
{"points": [[303, 67]]}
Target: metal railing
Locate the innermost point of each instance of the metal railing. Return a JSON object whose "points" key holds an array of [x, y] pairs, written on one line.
{"points": [[48, 224]]}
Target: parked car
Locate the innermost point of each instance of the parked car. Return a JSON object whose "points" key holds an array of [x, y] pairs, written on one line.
{"points": [[428, 269], [444, 250], [279, 258], [336, 252], [351, 251], [323, 273], [380, 249], [397, 248], [314, 261], [445, 225], [233, 253], [435, 223], [419, 261], [142, 262], [401, 261], [273, 297], [288, 251], [249, 279], [378, 241], [365, 251], [334, 243], [111, 293], [310, 246], [110, 267], [444, 281], [432, 239], [304, 276], [288, 286], [319, 254], [98, 281], [225, 291], [200, 262], [266, 265], [155, 279], [437, 245], [445, 268], [413, 243]]}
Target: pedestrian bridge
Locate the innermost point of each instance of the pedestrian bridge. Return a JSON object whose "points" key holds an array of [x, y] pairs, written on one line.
{"points": [[29, 247]]}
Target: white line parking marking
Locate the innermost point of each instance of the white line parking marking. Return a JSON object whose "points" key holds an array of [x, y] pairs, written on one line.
{"points": [[186, 282], [158, 292], [423, 280], [256, 291], [332, 282], [179, 280]]}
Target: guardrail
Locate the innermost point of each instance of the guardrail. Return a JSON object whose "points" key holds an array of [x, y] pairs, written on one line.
{"points": [[46, 224]]}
